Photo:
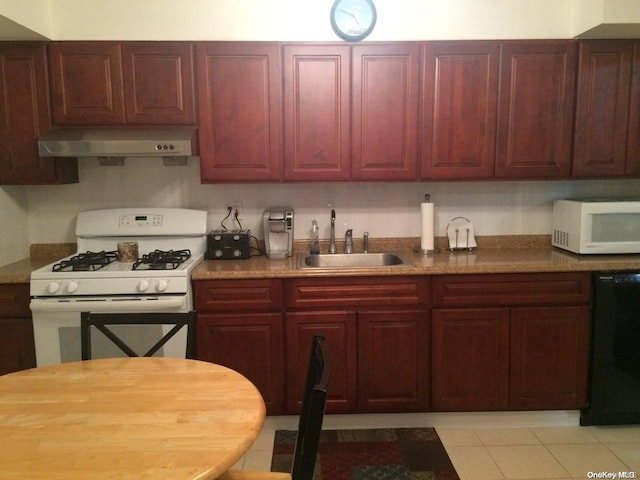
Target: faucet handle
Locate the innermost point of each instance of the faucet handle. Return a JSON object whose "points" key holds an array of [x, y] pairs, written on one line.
{"points": [[348, 241], [365, 242]]}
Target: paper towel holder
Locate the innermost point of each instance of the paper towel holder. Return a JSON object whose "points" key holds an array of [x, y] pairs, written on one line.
{"points": [[419, 249], [463, 229]]}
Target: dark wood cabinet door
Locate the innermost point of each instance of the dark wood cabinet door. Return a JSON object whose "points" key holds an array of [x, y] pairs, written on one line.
{"points": [[25, 116], [339, 329], [158, 83], [385, 91], [317, 112], [459, 104], [633, 144], [470, 359], [250, 343], [240, 111], [604, 79], [86, 83], [14, 351], [17, 349], [549, 355], [393, 360], [536, 105]]}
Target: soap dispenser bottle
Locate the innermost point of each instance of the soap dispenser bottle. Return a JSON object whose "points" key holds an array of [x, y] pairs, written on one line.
{"points": [[314, 248]]}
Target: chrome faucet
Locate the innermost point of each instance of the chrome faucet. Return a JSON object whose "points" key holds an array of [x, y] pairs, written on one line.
{"points": [[365, 242], [348, 241], [332, 244]]}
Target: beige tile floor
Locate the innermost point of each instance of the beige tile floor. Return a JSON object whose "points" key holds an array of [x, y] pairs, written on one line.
{"points": [[497, 446]]}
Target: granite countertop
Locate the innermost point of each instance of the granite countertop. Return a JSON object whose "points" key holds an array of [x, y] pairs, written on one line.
{"points": [[40, 255], [504, 254], [517, 254]]}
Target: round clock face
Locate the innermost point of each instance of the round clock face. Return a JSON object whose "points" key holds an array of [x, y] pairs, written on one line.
{"points": [[353, 20]]}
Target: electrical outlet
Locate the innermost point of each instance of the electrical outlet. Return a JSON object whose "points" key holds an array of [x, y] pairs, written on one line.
{"points": [[236, 205]]}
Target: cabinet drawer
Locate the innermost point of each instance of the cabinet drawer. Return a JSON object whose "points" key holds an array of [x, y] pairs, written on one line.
{"points": [[14, 301], [356, 292], [237, 295], [512, 289]]}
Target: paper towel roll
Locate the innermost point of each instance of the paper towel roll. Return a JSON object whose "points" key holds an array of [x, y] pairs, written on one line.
{"points": [[428, 226]]}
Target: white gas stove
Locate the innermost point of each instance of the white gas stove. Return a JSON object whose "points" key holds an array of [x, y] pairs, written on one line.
{"points": [[170, 244]]}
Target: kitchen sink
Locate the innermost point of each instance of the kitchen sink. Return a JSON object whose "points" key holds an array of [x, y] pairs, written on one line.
{"points": [[352, 260]]}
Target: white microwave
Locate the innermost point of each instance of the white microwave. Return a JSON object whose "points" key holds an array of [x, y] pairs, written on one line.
{"points": [[596, 226]]}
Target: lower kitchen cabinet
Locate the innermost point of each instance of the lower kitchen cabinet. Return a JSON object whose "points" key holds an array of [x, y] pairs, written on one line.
{"points": [[251, 344], [377, 332], [339, 330], [470, 352], [240, 326], [490, 342], [549, 351], [17, 350], [510, 342], [393, 360]]}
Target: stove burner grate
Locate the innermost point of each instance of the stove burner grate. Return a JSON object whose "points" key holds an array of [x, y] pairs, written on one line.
{"points": [[162, 260], [85, 262]]}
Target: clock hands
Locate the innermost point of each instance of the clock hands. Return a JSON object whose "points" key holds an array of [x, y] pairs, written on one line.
{"points": [[351, 15]]}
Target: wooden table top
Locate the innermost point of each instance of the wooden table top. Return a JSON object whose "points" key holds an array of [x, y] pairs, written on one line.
{"points": [[127, 418]]}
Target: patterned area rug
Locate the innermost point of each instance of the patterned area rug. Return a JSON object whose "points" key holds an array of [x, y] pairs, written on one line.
{"points": [[371, 454]]}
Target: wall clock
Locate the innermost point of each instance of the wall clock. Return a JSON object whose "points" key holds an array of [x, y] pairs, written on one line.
{"points": [[353, 20]]}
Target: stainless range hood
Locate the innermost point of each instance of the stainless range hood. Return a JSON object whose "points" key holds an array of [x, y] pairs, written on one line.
{"points": [[118, 143]]}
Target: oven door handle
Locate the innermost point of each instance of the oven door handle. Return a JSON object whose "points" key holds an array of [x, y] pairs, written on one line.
{"points": [[95, 304]]}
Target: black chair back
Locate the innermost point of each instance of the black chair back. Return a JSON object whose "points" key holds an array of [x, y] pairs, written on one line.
{"points": [[102, 322], [313, 406]]}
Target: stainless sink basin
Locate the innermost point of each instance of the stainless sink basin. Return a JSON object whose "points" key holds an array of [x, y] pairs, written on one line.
{"points": [[352, 260]]}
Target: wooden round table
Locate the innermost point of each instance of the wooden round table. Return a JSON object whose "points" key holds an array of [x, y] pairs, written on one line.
{"points": [[127, 418]]}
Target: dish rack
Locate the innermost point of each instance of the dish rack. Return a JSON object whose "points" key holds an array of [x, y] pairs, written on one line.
{"points": [[460, 234]]}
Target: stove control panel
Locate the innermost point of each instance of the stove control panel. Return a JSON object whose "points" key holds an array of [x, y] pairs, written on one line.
{"points": [[151, 220], [81, 287]]}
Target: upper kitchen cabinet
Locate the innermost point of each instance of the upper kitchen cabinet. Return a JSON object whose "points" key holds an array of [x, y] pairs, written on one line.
{"points": [[24, 116], [240, 111], [497, 109], [607, 119], [351, 112], [113, 83], [384, 129], [535, 109], [632, 166], [159, 83], [460, 95], [317, 112]]}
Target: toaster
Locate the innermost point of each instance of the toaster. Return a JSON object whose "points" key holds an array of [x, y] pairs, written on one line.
{"points": [[228, 244]]}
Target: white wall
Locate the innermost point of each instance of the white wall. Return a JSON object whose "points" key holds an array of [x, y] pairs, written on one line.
{"points": [[382, 209], [14, 237], [306, 20]]}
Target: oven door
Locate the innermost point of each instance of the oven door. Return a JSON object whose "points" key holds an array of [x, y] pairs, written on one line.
{"points": [[56, 326]]}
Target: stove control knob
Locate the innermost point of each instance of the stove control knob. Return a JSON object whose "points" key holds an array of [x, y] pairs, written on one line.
{"points": [[72, 286], [53, 287], [162, 285], [143, 285]]}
